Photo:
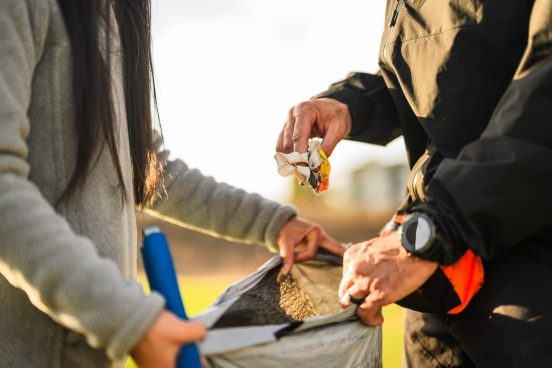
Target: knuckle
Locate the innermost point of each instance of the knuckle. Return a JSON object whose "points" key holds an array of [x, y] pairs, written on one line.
{"points": [[305, 115], [302, 106], [382, 293], [298, 135], [288, 146], [290, 114], [381, 296], [310, 253], [356, 267], [348, 254], [363, 283], [364, 247], [287, 126], [280, 141], [341, 108], [315, 229]]}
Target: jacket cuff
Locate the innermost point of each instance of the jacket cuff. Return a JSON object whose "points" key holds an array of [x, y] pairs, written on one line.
{"points": [[450, 244]]}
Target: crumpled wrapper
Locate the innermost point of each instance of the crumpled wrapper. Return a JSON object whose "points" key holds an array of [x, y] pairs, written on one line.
{"points": [[312, 167]]}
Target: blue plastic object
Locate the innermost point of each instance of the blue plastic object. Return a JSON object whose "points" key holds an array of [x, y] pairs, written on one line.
{"points": [[162, 278]]}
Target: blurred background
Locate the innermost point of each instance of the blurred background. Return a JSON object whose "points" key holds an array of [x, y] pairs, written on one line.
{"points": [[227, 73]]}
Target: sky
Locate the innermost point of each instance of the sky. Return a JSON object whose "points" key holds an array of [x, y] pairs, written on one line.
{"points": [[227, 72]]}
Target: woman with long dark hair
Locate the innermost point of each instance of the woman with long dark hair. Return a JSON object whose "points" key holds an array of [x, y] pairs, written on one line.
{"points": [[77, 155]]}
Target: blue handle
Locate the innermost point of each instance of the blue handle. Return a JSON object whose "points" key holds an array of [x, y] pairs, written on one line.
{"points": [[162, 278]]}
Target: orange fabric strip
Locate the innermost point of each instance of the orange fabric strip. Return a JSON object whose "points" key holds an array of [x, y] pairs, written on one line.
{"points": [[466, 277]]}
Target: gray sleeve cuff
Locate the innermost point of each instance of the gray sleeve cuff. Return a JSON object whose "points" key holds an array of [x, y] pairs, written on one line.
{"points": [[134, 328]]}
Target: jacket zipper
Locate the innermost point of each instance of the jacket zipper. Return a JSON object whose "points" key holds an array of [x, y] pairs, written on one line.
{"points": [[392, 23]]}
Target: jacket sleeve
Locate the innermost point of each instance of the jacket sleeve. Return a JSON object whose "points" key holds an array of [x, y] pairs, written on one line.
{"points": [[60, 272], [374, 116], [190, 199], [496, 194]]}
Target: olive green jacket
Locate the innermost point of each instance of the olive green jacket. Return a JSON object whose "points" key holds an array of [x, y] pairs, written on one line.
{"points": [[473, 78]]}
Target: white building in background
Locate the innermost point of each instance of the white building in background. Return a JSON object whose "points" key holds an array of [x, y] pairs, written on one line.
{"points": [[378, 187]]}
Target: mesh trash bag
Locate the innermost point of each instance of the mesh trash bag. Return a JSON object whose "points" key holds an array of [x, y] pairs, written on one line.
{"points": [[267, 320]]}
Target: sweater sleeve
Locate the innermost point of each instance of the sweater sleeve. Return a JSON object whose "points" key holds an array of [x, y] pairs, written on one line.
{"points": [[193, 200], [61, 272], [496, 194], [373, 113]]}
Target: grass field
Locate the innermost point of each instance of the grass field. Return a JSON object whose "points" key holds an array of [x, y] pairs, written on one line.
{"points": [[199, 292]]}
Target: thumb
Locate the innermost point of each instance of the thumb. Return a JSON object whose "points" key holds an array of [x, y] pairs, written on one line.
{"points": [[331, 139], [286, 252], [186, 332], [370, 311]]}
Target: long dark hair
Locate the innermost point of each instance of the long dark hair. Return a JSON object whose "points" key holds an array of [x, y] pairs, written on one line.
{"points": [[92, 89]]}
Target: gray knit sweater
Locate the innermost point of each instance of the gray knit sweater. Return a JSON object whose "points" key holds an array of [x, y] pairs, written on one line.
{"points": [[68, 297]]}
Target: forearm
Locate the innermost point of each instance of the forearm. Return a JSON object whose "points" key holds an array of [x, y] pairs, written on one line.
{"points": [[63, 275], [199, 202]]}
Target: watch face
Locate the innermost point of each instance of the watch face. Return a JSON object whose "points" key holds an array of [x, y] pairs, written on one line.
{"points": [[418, 233]]}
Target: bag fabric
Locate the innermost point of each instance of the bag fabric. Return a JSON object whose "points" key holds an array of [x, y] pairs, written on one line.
{"points": [[267, 320]]}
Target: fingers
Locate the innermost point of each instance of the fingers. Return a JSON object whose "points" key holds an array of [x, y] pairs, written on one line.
{"points": [[298, 128], [359, 284], [286, 252], [160, 345], [350, 255], [312, 237], [323, 117], [204, 362], [351, 252], [370, 311], [357, 288], [288, 133], [346, 282], [304, 119], [331, 245], [338, 126], [298, 240], [289, 238], [331, 139], [187, 331], [280, 141]]}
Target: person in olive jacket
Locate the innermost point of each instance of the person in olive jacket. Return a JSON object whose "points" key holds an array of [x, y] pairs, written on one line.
{"points": [[472, 82]]}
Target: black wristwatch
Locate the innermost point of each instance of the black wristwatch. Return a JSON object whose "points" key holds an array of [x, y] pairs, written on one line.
{"points": [[418, 233]]}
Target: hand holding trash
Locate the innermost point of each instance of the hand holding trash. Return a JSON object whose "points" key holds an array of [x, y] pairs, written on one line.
{"points": [[160, 345], [324, 118], [300, 239], [299, 150]]}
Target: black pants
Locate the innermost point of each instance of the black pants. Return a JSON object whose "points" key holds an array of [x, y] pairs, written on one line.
{"points": [[508, 324]]}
